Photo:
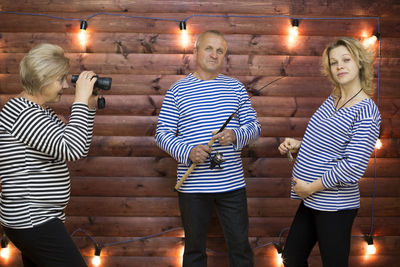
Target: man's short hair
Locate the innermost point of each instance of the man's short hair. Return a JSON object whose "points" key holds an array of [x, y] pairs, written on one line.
{"points": [[198, 40]]}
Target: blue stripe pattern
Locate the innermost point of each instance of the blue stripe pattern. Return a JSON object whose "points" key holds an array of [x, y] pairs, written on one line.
{"points": [[336, 149], [192, 109]]}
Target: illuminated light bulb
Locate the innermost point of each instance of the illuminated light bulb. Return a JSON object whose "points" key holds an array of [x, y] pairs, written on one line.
{"points": [[378, 144], [83, 34], [5, 250], [370, 41], [279, 253], [96, 259], [280, 259], [5, 253], [371, 249], [179, 255], [184, 34], [293, 32]]}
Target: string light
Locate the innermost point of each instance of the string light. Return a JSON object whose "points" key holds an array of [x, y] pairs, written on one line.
{"points": [[378, 144], [293, 32], [184, 34], [370, 41], [83, 34], [371, 249], [179, 252], [278, 247], [5, 250], [96, 261]]}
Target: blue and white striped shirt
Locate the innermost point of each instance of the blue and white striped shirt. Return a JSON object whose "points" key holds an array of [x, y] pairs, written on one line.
{"points": [[337, 150], [192, 109]]}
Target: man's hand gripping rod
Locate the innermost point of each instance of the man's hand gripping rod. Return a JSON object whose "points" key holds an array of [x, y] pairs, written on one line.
{"points": [[211, 142]]}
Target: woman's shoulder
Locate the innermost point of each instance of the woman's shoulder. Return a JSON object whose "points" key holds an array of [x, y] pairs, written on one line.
{"points": [[367, 108], [15, 105], [19, 105]]}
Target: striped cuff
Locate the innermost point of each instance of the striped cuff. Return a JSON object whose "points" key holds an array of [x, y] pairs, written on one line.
{"points": [[329, 180], [238, 145]]}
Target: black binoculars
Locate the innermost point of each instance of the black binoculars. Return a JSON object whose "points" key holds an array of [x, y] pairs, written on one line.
{"points": [[103, 83]]}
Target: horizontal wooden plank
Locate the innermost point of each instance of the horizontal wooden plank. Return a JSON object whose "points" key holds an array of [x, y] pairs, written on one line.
{"points": [[168, 206], [258, 226], [126, 126], [168, 246], [267, 147], [265, 106], [128, 43], [145, 146], [276, 7], [226, 23], [218, 261], [280, 167], [125, 146], [256, 187], [166, 167], [264, 207], [270, 126], [266, 65], [158, 85]]}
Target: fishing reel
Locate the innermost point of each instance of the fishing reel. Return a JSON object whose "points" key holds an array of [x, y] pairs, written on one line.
{"points": [[216, 159]]}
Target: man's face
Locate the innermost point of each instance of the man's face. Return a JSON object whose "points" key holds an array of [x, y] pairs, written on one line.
{"points": [[210, 53]]}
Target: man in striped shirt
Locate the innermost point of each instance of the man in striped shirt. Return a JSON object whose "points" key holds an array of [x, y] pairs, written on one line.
{"points": [[193, 111]]}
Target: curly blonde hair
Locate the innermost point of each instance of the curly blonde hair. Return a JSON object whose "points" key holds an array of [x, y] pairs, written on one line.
{"points": [[362, 56]]}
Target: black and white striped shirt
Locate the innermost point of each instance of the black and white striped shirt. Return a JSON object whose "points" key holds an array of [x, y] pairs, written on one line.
{"points": [[34, 147]]}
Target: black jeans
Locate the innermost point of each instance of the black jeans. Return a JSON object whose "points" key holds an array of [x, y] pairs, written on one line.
{"points": [[196, 209], [46, 245], [332, 230]]}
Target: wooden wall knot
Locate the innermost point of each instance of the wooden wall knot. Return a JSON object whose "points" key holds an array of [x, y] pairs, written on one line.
{"points": [[121, 49]]}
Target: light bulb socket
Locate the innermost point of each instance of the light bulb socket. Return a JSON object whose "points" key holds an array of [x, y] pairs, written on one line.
{"points": [[278, 247], [4, 242], [182, 25], [97, 251], [84, 24], [377, 35], [369, 239], [295, 23]]}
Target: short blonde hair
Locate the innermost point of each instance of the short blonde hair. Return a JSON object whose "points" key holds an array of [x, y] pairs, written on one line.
{"points": [[361, 56], [44, 64], [201, 35]]}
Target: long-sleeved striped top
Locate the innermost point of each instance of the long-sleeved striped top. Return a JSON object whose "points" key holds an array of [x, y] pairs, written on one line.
{"points": [[34, 147], [337, 149], [192, 109]]}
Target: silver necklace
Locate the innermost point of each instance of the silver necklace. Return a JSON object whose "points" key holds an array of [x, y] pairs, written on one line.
{"points": [[337, 103]]}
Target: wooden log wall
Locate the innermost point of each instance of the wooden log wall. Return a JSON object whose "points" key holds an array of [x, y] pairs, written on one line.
{"points": [[124, 188]]}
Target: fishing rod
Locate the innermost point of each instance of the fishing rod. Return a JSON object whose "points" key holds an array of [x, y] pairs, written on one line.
{"points": [[211, 142]]}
